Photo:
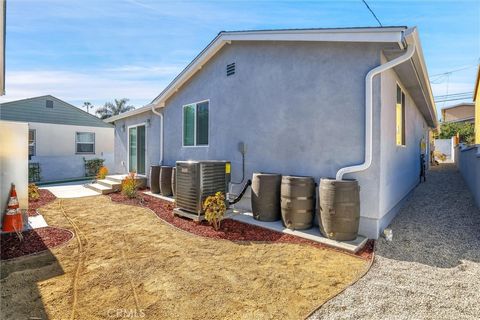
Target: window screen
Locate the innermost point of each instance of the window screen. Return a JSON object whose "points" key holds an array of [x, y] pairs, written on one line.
{"points": [[195, 124], [400, 117], [31, 143], [85, 142]]}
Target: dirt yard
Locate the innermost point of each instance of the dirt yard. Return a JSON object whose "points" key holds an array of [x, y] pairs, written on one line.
{"points": [[126, 263]]}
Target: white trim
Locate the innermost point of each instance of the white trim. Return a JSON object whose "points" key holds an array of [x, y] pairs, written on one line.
{"points": [[146, 147], [195, 125]]}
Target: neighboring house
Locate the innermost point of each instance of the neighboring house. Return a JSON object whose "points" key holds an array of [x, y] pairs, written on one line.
{"points": [[61, 136], [300, 101], [463, 112], [476, 99]]}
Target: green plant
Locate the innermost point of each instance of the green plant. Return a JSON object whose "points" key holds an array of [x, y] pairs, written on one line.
{"points": [[102, 172], [130, 186], [465, 130], [92, 166], [110, 109], [34, 172], [33, 194], [215, 209]]}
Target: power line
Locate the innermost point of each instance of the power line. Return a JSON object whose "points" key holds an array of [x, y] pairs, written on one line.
{"points": [[373, 13]]}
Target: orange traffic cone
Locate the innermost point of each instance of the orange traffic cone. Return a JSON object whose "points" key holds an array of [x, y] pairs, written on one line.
{"points": [[13, 221]]}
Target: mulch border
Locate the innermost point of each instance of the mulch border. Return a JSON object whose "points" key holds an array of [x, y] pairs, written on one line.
{"points": [[46, 197], [59, 245], [192, 228]]}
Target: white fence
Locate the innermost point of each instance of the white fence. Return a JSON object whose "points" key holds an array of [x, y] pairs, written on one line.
{"points": [[447, 147]]}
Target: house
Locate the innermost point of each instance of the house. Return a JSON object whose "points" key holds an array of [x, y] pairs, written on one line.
{"points": [[61, 136], [476, 100], [463, 112], [350, 102]]}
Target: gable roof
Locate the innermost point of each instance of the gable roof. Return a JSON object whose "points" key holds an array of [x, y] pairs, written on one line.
{"points": [[35, 110], [394, 34], [464, 104]]}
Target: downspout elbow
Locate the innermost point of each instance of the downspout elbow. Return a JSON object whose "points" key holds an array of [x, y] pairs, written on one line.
{"points": [[369, 111]]}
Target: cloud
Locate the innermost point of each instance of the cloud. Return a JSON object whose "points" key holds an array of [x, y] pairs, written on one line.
{"points": [[97, 87]]}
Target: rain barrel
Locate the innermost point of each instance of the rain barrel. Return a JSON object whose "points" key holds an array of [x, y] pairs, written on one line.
{"points": [[298, 202], [174, 181], [266, 196], [165, 181], [153, 179], [339, 209]]}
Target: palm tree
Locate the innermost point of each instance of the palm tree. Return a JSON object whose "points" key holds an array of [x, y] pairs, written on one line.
{"points": [[110, 109], [87, 105]]}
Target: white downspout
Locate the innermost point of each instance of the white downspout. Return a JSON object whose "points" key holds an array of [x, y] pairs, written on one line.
{"points": [[160, 162], [369, 111]]}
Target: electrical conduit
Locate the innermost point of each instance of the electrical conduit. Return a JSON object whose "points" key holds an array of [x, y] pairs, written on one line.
{"points": [[160, 161], [369, 110]]}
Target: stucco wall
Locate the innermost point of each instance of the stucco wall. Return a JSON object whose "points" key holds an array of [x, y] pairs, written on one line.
{"points": [[299, 107], [13, 163], [469, 166], [152, 140], [400, 165], [55, 149]]}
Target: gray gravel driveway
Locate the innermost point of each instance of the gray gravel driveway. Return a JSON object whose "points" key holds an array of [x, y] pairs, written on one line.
{"points": [[431, 269]]}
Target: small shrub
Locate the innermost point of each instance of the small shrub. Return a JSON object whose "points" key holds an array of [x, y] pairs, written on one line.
{"points": [[215, 209], [33, 194], [102, 172], [92, 166], [130, 186]]}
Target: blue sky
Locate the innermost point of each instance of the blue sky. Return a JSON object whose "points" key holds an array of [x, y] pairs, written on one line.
{"points": [[85, 50]]}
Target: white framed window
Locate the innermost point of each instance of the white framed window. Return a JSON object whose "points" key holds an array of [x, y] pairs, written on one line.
{"points": [[400, 117], [85, 142], [196, 124], [32, 142]]}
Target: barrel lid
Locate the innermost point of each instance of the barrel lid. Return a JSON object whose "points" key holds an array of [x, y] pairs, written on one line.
{"points": [[299, 178], [266, 174]]}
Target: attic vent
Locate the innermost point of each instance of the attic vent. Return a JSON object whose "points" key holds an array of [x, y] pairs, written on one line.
{"points": [[230, 69], [49, 104]]}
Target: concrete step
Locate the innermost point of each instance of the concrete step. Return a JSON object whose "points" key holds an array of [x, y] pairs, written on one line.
{"points": [[114, 185], [100, 188]]}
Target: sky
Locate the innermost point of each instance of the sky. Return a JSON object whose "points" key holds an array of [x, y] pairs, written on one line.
{"points": [[99, 50]]}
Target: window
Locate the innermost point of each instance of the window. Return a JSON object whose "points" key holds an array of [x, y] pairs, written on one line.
{"points": [[400, 117], [49, 104], [195, 124], [85, 142], [32, 138]]}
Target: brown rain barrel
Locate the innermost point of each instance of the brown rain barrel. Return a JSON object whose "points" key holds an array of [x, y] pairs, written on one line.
{"points": [[339, 209], [266, 196], [174, 181], [165, 181], [153, 179], [298, 202]]}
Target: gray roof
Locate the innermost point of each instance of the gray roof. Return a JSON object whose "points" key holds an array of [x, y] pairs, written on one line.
{"points": [[35, 110]]}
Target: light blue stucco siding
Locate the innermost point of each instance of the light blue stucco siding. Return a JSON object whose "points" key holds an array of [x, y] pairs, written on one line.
{"points": [[152, 140], [299, 107]]}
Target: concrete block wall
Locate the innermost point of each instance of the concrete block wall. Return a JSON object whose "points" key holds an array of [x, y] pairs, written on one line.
{"points": [[469, 166]]}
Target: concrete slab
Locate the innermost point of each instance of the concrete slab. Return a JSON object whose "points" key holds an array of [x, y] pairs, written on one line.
{"points": [[159, 196], [36, 222], [71, 191], [310, 234]]}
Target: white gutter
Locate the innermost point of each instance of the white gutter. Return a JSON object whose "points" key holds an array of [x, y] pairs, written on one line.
{"points": [[160, 161], [369, 110]]}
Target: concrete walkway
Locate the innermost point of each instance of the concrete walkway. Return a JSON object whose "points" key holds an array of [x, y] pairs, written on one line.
{"points": [[71, 190], [431, 269]]}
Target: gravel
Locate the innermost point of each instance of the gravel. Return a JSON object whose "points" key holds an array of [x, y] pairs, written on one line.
{"points": [[431, 269]]}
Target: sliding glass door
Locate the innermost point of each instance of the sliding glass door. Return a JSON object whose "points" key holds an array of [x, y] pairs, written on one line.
{"points": [[136, 149]]}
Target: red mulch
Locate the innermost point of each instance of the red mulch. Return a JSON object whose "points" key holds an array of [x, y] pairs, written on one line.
{"points": [[34, 241], [45, 198], [230, 229]]}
